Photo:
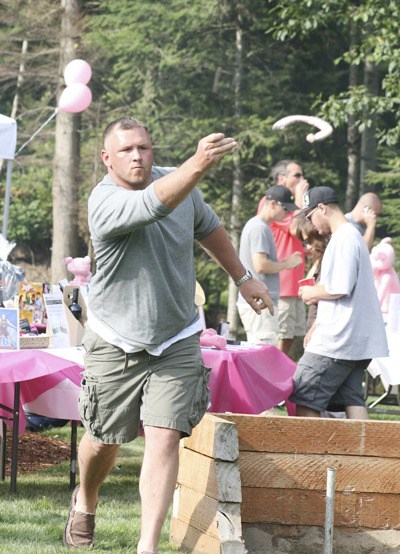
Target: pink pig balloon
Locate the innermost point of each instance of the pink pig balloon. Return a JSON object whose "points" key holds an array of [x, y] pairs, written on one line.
{"points": [[75, 98], [77, 71]]}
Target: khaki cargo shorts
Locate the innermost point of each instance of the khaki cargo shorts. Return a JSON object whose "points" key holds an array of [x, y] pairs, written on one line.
{"points": [[292, 317], [120, 391], [260, 328]]}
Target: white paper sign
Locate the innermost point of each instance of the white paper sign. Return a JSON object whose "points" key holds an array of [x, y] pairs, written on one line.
{"points": [[57, 320]]}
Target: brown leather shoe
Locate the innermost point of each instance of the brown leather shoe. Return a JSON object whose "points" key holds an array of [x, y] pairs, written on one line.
{"points": [[79, 531]]}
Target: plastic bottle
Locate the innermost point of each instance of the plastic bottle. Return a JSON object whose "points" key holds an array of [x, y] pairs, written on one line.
{"points": [[75, 307]]}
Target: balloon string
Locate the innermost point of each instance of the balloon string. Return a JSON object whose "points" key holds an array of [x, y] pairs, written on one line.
{"points": [[37, 132]]}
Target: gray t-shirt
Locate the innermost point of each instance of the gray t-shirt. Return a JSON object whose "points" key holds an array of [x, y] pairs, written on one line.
{"points": [[351, 327], [144, 286], [256, 238], [360, 226]]}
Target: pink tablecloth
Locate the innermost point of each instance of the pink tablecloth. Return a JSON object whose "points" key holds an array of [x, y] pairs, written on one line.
{"points": [[249, 381], [246, 381], [38, 371]]}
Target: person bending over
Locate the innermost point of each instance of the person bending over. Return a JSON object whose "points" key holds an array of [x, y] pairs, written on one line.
{"points": [[349, 329]]}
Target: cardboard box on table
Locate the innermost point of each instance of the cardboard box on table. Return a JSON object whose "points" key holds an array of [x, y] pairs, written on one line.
{"points": [[75, 327], [65, 331]]}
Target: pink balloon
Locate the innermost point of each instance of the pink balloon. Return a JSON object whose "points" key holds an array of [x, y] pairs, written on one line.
{"points": [[77, 71], [75, 98]]}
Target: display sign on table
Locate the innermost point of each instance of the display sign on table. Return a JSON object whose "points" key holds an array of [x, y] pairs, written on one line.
{"points": [[30, 302], [9, 329]]}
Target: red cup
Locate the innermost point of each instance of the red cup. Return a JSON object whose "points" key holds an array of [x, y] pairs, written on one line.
{"points": [[310, 282]]}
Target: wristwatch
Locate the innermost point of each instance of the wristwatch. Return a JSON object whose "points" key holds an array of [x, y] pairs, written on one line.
{"points": [[246, 277]]}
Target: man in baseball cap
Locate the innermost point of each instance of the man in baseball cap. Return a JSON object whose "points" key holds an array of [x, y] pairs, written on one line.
{"points": [[258, 254], [349, 329], [315, 196], [282, 196], [292, 318]]}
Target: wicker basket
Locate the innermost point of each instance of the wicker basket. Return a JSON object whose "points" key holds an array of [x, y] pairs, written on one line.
{"points": [[34, 341]]}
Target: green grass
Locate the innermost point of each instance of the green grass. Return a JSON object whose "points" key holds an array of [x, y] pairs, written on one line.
{"points": [[390, 403], [32, 521], [380, 414]]}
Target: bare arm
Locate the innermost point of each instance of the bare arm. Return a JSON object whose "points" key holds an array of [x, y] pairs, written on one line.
{"points": [[370, 222], [219, 246], [301, 189], [311, 295], [173, 188], [263, 264]]}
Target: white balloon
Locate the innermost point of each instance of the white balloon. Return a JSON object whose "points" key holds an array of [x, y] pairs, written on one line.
{"points": [[325, 128]]}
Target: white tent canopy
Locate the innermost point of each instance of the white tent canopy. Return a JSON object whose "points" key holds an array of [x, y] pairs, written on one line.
{"points": [[8, 141], [8, 137]]}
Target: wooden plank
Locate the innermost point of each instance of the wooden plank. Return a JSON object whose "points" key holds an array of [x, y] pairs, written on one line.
{"points": [[302, 471], [300, 507], [192, 540], [317, 435], [220, 480], [217, 519], [214, 437]]}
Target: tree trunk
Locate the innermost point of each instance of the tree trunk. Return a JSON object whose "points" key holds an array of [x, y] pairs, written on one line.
{"points": [[368, 139], [20, 79], [237, 188], [353, 144], [65, 188]]}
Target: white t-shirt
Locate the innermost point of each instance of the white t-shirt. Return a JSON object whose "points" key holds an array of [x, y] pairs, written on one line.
{"points": [[106, 334], [351, 327]]}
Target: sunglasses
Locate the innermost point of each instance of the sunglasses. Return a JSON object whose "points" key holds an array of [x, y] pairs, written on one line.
{"points": [[298, 175], [309, 216]]}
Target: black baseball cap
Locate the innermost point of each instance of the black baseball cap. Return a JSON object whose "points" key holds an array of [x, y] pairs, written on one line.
{"points": [[282, 196], [315, 196]]}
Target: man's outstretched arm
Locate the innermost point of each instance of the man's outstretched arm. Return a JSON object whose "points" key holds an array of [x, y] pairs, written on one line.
{"points": [[173, 188]]}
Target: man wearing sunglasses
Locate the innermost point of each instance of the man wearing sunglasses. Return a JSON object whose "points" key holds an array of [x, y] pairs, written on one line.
{"points": [[349, 330], [292, 319], [258, 253]]}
